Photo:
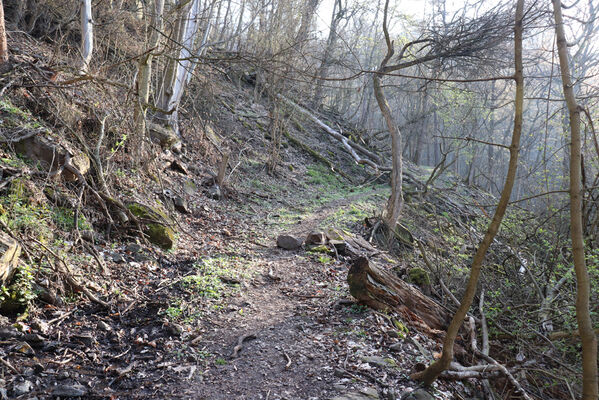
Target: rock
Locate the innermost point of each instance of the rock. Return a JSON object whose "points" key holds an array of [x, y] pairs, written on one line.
{"points": [[418, 394], [181, 205], [117, 258], [214, 192], [395, 347], [103, 326], [316, 238], [158, 231], [133, 248], [9, 332], [10, 251], [52, 156], [22, 388], [379, 361], [339, 245], [364, 394], [166, 136], [76, 390], [190, 187], [288, 242], [178, 166]]}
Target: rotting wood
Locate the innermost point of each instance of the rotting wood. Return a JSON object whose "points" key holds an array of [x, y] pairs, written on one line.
{"points": [[10, 251], [383, 291]]}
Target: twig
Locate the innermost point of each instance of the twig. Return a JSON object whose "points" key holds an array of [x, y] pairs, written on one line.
{"points": [[240, 341], [10, 366], [288, 360]]}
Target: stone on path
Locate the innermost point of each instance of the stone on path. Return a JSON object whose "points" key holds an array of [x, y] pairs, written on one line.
{"points": [[289, 242]]}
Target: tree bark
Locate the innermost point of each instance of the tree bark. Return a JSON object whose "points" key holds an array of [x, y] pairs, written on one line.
{"points": [[430, 374], [144, 75], [3, 45], [87, 34], [383, 291], [588, 338], [395, 202]]}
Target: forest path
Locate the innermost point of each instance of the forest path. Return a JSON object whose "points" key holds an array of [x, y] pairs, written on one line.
{"points": [[289, 317]]}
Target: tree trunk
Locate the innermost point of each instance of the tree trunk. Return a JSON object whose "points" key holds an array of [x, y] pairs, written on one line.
{"points": [[175, 76], [322, 72], [87, 34], [590, 386], [395, 202], [435, 369], [144, 75], [383, 291], [3, 45]]}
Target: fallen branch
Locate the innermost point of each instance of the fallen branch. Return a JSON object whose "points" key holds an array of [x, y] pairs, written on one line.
{"points": [[240, 341], [352, 148], [316, 155]]}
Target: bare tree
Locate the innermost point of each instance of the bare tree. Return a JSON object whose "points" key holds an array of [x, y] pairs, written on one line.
{"points": [[435, 369], [590, 386]]}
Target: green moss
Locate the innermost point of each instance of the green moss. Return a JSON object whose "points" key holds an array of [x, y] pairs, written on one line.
{"points": [[419, 276], [158, 231]]}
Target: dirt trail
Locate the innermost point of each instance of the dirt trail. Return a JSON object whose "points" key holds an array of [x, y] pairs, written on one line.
{"points": [[291, 310]]}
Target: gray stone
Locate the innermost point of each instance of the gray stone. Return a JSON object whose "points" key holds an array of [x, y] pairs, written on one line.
{"points": [[181, 205], [22, 388], [288, 242], [118, 258], [364, 394], [214, 192], [133, 248], [104, 326], [395, 347], [189, 187], [76, 390], [378, 361], [418, 394]]}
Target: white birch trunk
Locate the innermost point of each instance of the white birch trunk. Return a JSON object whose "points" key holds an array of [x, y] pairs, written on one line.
{"points": [[87, 34]]}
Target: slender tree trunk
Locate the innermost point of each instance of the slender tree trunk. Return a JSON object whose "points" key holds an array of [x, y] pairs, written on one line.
{"points": [[435, 369], [87, 34], [338, 11], [3, 45], [395, 202], [590, 386], [144, 75]]}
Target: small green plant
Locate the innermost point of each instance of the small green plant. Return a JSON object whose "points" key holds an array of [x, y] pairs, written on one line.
{"points": [[15, 297], [324, 259], [220, 361], [358, 308]]}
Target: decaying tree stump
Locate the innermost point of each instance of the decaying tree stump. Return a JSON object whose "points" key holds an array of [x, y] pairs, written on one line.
{"points": [[383, 291], [9, 257]]}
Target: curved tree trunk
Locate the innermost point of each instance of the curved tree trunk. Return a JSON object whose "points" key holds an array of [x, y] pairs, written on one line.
{"points": [[395, 202], [588, 338], [430, 374]]}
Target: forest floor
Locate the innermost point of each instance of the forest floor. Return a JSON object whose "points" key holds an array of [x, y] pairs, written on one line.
{"points": [[245, 320]]}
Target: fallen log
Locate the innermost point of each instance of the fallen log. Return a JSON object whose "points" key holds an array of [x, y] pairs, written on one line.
{"points": [[384, 291], [372, 160]]}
